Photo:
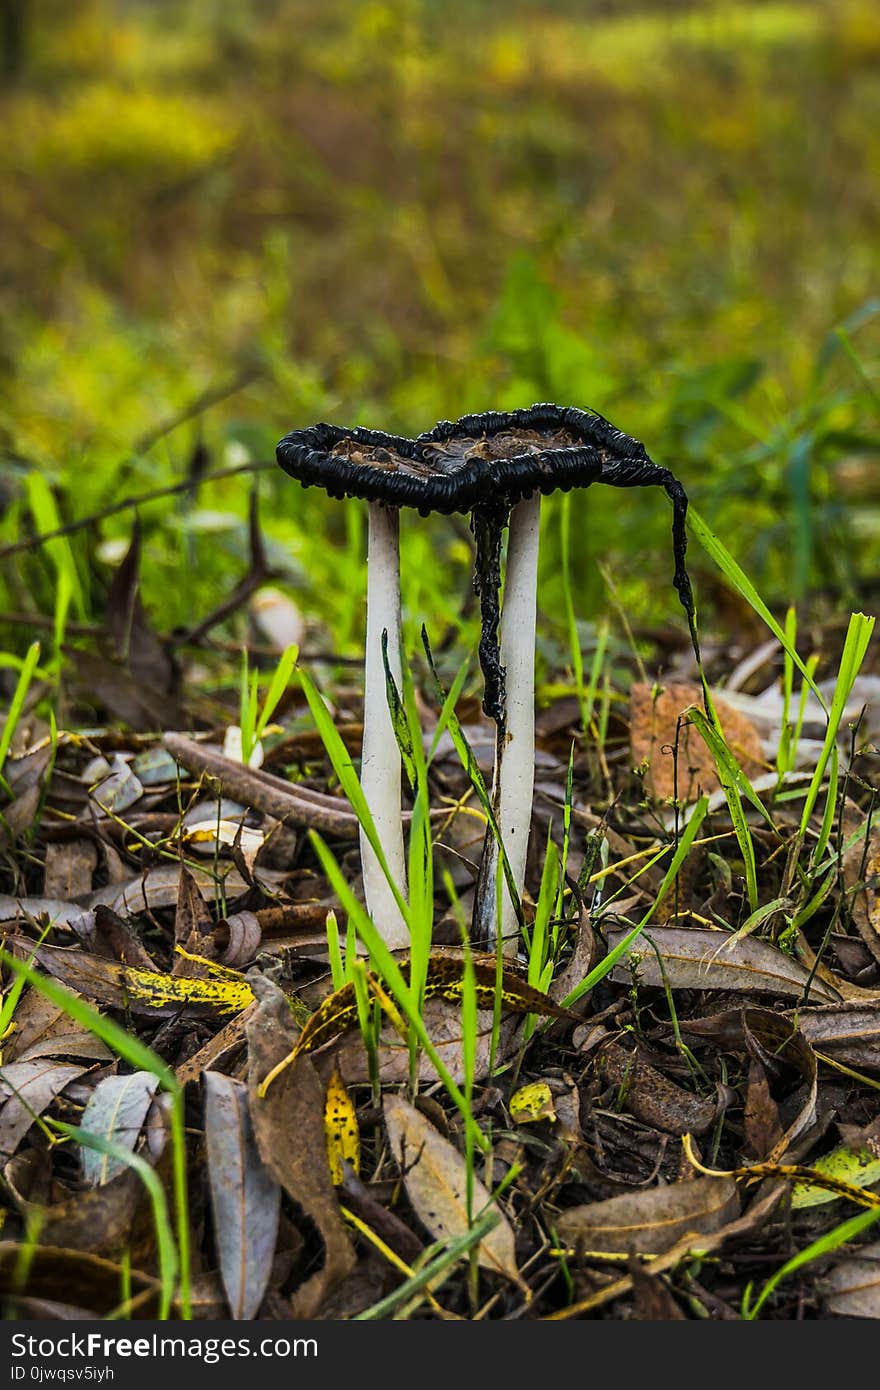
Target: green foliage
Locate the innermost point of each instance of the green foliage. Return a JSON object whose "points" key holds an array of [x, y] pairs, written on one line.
{"points": [[395, 212]]}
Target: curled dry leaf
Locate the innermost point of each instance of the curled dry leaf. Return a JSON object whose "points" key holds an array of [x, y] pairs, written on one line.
{"points": [[650, 1221], [116, 1110], [289, 1128], [242, 934], [434, 1175], [245, 1198], [698, 958]]}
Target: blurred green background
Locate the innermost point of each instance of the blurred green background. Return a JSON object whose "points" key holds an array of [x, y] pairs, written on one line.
{"points": [[227, 219]]}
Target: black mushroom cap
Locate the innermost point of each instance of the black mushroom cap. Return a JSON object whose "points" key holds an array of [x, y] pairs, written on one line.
{"points": [[479, 460], [483, 465]]}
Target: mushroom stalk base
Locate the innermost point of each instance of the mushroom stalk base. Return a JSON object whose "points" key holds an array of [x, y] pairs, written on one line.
{"points": [[380, 761], [514, 781]]}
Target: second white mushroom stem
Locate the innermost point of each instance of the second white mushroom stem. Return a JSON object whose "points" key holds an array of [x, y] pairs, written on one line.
{"points": [[514, 779], [380, 761]]}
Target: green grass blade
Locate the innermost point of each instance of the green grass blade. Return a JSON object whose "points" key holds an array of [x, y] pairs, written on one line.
{"points": [[832, 1240], [277, 686], [348, 780], [16, 705], [744, 586]]}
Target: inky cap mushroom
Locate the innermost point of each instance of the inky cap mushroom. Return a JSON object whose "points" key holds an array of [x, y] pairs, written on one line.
{"points": [[493, 466]]}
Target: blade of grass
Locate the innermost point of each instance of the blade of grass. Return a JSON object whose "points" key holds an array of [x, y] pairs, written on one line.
{"points": [[16, 705], [832, 1240], [744, 586]]}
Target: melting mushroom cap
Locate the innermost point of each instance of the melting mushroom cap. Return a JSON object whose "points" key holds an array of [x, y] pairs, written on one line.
{"points": [[477, 461], [484, 465]]}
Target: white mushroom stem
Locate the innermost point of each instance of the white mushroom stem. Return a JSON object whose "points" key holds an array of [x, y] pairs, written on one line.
{"points": [[380, 762], [515, 757]]}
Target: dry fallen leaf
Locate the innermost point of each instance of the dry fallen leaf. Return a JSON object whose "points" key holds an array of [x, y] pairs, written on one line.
{"points": [[655, 1100], [245, 1198], [434, 1175], [116, 1110], [651, 1220], [698, 958], [341, 1127], [289, 1128], [26, 1089], [654, 716], [852, 1287]]}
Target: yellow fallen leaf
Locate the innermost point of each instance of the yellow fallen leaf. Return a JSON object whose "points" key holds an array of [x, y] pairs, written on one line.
{"points": [[857, 1168], [341, 1129], [532, 1103]]}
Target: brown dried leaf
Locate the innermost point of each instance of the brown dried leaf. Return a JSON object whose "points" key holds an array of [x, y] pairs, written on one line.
{"points": [[42, 1029], [651, 1220], [58, 1274], [652, 1097], [861, 874], [193, 929], [434, 1174], [698, 958], [652, 1299], [776, 1042], [289, 1128], [653, 725], [245, 1198], [70, 865], [848, 1032], [762, 1128], [104, 933]]}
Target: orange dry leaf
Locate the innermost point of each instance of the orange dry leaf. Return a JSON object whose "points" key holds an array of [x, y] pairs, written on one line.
{"points": [[654, 715]]}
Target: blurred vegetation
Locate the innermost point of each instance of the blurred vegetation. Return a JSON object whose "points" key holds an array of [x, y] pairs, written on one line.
{"points": [[222, 221]]}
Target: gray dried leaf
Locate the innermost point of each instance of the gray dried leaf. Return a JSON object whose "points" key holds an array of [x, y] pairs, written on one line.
{"points": [[852, 1287], [116, 1110], [245, 1198], [698, 958]]}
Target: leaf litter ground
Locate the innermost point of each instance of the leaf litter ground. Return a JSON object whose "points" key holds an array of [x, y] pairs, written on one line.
{"points": [[694, 1136]]}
